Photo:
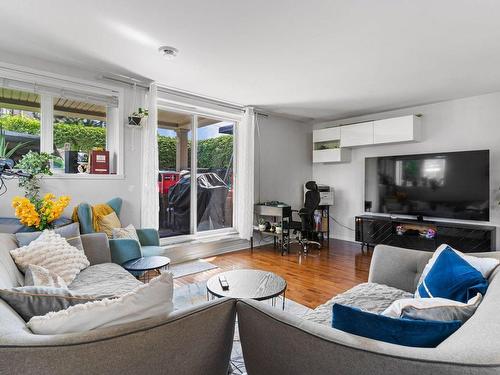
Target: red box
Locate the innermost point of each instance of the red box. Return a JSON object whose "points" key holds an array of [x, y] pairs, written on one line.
{"points": [[99, 162]]}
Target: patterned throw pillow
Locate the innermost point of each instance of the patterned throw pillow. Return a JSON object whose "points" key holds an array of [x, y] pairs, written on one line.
{"points": [[52, 252], [109, 222], [128, 232], [40, 276]]}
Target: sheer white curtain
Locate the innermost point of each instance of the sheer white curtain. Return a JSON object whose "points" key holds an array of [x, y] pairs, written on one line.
{"points": [[149, 200], [245, 140]]}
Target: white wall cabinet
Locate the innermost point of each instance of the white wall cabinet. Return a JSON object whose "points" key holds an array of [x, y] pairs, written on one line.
{"points": [[398, 129], [326, 135], [334, 155], [356, 134]]}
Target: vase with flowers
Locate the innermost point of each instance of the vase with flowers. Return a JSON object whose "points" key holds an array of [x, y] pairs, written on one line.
{"points": [[39, 214]]}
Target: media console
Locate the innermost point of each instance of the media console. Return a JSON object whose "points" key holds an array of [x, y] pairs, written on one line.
{"points": [[423, 235]]}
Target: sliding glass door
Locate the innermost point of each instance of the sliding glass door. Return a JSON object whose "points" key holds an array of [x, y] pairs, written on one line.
{"points": [[200, 198]]}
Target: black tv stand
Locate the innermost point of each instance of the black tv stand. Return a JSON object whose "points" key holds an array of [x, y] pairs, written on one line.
{"points": [[417, 234]]}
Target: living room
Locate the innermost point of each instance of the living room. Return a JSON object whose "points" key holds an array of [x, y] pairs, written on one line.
{"points": [[344, 214]]}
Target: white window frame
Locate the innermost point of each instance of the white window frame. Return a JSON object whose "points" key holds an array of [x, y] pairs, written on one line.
{"points": [[196, 112], [114, 128]]}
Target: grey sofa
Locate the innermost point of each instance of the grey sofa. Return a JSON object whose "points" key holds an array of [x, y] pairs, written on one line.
{"points": [[274, 342], [196, 340]]}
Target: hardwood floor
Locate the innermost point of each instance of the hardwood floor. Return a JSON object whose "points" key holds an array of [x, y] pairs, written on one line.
{"points": [[311, 279]]}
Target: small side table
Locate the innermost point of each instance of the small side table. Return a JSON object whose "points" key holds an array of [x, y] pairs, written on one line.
{"points": [[142, 266]]}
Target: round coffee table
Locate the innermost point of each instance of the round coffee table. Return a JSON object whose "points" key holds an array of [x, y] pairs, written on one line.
{"points": [[254, 284], [141, 266]]}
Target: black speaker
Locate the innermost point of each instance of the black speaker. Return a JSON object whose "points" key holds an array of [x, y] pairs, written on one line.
{"points": [[70, 161]]}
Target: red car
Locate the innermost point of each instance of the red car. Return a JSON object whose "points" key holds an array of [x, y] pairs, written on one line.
{"points": [[166, 179]]}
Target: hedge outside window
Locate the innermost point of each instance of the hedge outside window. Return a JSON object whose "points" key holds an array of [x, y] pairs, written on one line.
{"points": [[20, 120]]}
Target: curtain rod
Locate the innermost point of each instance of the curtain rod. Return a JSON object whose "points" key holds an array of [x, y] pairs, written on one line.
{"points": [[188, 95]]}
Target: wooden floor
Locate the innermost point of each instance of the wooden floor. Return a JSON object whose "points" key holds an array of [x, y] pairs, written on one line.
{"points": [[311, 279]]}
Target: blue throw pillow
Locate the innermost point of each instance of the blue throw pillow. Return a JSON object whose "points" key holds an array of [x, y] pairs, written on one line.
{"points": [[400, 331], [452, 277]]}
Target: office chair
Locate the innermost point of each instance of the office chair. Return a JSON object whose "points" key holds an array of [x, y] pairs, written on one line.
{"points": [[304, 228]]}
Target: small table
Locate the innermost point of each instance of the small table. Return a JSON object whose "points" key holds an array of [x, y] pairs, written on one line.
{"points": [[254, 284], [141, 266]]}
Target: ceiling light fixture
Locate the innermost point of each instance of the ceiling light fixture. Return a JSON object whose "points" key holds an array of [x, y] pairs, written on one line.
{"points": [[168, 52]]}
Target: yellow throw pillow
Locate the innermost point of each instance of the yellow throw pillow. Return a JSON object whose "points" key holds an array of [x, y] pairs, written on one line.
{"points": [[109, 222]]}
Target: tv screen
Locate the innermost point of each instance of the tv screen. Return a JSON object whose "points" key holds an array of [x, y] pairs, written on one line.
{"points": [[446, 185]]}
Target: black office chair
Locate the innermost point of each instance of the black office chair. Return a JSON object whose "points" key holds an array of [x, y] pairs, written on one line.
{"points": [[304, 229]]}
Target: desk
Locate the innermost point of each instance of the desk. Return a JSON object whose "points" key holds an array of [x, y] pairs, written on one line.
{"points": [[278, 213]]}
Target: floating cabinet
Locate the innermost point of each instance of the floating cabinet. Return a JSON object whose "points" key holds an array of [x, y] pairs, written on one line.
{"points": [[398, 129], [356, 134], [334, 155], [326, 135]]}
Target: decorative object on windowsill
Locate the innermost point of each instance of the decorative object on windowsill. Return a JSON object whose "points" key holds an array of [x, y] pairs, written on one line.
{"points": [[35, 165], [135, 119], [262, 225], [39, 213], [99, 161]]}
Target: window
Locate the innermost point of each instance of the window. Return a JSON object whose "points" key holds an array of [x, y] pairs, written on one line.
{"points": [[212, 148], [63, 122], [20, 121], [79, 127]]}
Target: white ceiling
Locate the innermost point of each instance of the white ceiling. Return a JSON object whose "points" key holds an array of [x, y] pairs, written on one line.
{"points": [[316, 59]]}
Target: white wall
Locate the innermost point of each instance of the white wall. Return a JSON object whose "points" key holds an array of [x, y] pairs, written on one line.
{"points": [[465, 124], [285, 163], [99, 191]]}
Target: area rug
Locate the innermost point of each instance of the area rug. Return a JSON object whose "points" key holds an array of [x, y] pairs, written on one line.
{"points": [[188, 268], [196, 293]]}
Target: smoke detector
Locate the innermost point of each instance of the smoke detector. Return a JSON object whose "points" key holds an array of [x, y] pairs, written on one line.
{"points": [[168, 52]]}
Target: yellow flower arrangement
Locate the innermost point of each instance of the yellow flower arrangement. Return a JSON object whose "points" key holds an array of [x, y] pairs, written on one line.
{"points": [[39, 213]]}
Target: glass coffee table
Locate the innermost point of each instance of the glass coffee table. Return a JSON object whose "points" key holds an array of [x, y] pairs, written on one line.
{"points": [[140, 267], [254, 284]]}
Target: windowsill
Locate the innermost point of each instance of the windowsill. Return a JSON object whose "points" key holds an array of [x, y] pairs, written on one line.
{"points": [[228, 234], [85, 176]]}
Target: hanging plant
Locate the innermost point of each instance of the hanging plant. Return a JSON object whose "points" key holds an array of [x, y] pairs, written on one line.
{"points": [[136, 117]]}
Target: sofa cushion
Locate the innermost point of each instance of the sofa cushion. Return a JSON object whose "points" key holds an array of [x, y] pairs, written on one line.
{"points": [[483, 264], [53, 252], [70, 233], [30, 301], [104, 278], [146, 301], [452, 277], [367, 296], [400, 331], [127, 232], [40, 276], [433, 309]]}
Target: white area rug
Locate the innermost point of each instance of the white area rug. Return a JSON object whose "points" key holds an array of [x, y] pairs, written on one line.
{"points": [[188, 268]]}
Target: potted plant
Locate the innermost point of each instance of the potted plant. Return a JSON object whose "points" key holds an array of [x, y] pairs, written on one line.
{"points": [[279, 228], [5, 153], [37, 165], [136, 117], [262, 225]]}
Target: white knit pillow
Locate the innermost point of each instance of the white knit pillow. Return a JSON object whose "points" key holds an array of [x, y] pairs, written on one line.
{"points": [[128, 232], [146, 301], [54, 253], [40, 276]]}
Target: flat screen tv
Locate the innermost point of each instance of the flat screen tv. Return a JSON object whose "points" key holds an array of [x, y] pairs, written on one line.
{"points": [[446, 185]]}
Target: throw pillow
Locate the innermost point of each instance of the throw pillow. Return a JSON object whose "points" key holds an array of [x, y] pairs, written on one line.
{"points": [[433, 309], [146, 301], [452, 277], [30, 301], [70, 232], [52, 252], [483, 265], [128, 232], [109, 222], [407, 332], [40, 276]]}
